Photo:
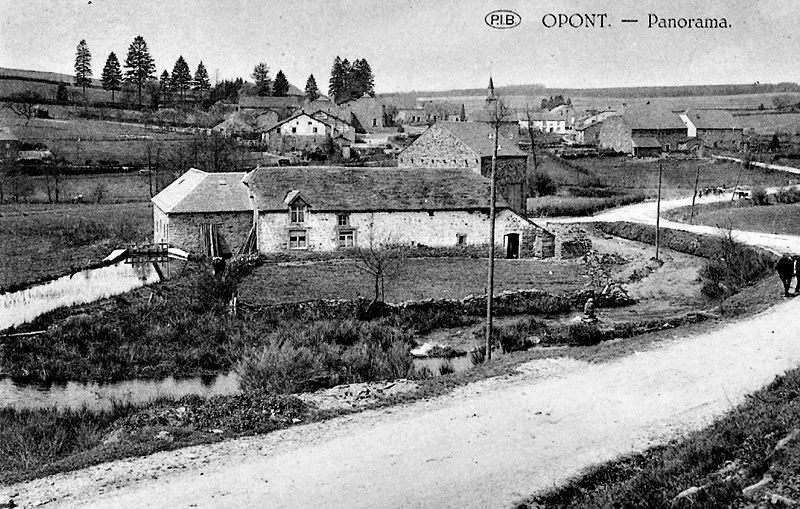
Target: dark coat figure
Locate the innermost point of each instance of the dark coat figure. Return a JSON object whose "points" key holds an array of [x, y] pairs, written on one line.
{"points": [[787, 268]]}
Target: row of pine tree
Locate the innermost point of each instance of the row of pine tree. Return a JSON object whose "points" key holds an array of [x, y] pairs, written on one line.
{"points": [[348, 81]]}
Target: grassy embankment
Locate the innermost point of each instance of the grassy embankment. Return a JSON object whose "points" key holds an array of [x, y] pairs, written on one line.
{"points": [[737, 451]]}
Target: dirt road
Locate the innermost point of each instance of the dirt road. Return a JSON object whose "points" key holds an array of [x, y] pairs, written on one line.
{"points": [[645, 213], [483, 446]]}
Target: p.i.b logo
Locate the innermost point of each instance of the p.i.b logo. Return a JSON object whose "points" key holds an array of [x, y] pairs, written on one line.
{"points": [[502, 19]]}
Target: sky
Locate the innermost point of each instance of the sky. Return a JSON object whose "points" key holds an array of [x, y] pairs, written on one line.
{"points": [[416, 44]]}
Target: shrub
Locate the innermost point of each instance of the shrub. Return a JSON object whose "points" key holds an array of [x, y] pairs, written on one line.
{"points": [[514, 336], [790, 195], [540, 183], [733, 266], [584, 334], [760, 196], [446, 368], [477, 355]]}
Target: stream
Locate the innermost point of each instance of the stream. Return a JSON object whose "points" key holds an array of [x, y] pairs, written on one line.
{"points": [[101, 396], [78, 288]]}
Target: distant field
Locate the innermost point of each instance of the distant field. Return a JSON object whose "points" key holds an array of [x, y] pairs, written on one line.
{"points": [[117, 188], [733, 102], [767, 124], [781, 219], [81, 140], [642, 174], [42, 240], [422, 278]]}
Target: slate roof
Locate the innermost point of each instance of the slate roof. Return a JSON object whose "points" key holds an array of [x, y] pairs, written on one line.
{"points": [[360, 189], [476, 136], [197, 191], [712, 119], [651, 118], [235, 124], [270, 102]]}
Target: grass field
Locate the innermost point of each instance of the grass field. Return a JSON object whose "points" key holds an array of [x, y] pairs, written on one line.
{"points": [[117, 187], [82, 140], [44, 240], [422, 278], [779, 218], [642, 174]]}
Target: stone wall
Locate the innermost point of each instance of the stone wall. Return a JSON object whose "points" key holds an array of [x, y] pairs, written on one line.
{"points": [[434, 229], [511, 175], [438, 148], [730, 139], [184, 229]]}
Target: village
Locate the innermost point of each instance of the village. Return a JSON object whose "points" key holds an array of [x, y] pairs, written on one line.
{"points": [[345, 295]]}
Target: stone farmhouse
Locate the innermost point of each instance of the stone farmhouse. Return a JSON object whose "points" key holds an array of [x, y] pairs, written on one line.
{"points": [[470, 145], [368, 113], [643, 131], [332, 208], [303, 130], [716, 128]]}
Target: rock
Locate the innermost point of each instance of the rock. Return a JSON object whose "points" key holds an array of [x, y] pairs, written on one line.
{"points": [[753, 490], [217, 431], [785, 441], [112, 438], [688, 492], [781, 501], [164, 435], [295, 420]]}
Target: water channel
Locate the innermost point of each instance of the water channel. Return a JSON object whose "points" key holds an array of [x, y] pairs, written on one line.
{"points": [[97, 396], [78, 288]]}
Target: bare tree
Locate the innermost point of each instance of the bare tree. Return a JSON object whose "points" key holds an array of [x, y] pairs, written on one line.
{"points": [[153, 151], [382, 261], [531, 134], [24, 104]]}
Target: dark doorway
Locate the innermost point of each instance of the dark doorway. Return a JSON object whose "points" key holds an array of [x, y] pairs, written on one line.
{"points": [[512, 245]]}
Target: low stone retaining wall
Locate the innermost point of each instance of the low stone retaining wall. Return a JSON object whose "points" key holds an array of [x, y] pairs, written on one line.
{"points": [[505, 303]]}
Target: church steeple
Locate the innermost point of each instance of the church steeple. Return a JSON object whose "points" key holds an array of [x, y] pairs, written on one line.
{"points": [[490, 97]]}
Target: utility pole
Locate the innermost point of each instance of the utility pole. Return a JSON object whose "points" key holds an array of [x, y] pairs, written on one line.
{"points": [[492, 201], [658, 213], [694, 196]]}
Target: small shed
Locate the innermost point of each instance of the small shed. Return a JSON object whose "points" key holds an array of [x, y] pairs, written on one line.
{"points": [[645, 146]]}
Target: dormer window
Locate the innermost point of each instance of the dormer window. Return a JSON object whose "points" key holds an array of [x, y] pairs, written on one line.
{"points": [[297, 213]]}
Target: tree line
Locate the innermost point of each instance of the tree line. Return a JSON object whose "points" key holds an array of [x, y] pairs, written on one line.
{"points": [[348, 80]]}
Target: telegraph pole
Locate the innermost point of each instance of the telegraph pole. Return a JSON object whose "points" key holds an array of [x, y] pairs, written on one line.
{"points": [[492, 202], [694, 196], [658, 213]]}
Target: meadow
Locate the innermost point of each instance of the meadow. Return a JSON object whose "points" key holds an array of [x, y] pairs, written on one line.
{"points": [[40, 241], [782, 219], [420, 278]]}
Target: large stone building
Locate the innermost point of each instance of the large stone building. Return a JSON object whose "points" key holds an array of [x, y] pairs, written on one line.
{"points": [[368, 113], [643, 131], [470, 145], [716, 128], [330, 208]]}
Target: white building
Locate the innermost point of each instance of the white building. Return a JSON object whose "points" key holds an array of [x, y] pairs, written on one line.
{"points": [[329, 208]]}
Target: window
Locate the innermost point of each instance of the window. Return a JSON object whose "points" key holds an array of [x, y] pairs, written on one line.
{"points": [[294, 130], [297, 214], [374, 122], [297, 239], [343, 219], [347, 239], [430, 213], [315, 130], [461, 239]]}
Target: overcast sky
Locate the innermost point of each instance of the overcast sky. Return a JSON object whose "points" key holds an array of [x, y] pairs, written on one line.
{"points": [[416, 44]]}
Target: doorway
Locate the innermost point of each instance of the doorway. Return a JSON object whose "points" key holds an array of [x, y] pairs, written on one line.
{"points": [[512, 245]]}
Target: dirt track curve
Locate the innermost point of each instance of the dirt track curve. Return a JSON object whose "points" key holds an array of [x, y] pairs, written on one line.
{"points": [[483, 446]]}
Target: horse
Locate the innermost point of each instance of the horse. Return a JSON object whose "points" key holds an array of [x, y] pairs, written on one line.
{"points": [[788, 268]]}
